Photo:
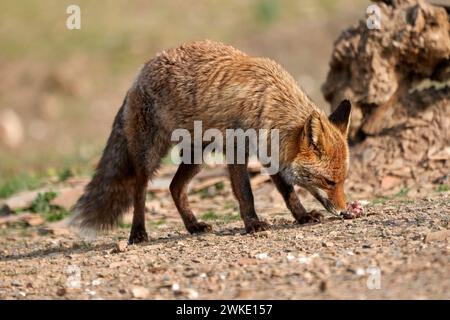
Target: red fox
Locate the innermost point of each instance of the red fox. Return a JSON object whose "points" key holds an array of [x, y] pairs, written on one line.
{"points": [[224, 88]]}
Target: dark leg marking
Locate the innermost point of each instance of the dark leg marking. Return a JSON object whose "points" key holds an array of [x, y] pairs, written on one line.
{"points": [[242, 190], [138, 233], [178, 189]]}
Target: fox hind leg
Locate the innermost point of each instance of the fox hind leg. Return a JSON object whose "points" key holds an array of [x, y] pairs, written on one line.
{"points": [[143, 174], [147, 145], [138, 233], [145, 168]]}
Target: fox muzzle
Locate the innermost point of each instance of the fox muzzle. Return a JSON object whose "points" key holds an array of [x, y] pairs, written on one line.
{"points": [[322, 197]]}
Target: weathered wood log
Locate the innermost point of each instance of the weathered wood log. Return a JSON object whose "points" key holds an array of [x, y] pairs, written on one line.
{"points": [[398, 79]]}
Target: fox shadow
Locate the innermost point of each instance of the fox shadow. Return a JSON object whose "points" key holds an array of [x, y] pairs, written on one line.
{"points": [[101, 247]]}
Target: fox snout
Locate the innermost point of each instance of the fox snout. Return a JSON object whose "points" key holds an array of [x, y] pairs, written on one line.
{"points": [[337, 197], [333, 200]]}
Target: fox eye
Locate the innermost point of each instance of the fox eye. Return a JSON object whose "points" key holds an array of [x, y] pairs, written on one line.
{"points": [[329, 182]]}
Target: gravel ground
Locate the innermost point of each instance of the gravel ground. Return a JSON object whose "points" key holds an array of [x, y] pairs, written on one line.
{"points": [[400, 249]]}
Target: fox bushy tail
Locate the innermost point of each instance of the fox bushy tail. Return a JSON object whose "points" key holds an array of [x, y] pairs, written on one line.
{"points": [[110, 192]]}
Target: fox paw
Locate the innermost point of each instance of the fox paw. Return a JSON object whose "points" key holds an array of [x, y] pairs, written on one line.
{"points": [[312, 216], [198, 227], [138, 237], [256, 226]]}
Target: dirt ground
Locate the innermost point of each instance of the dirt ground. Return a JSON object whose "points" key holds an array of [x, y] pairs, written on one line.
{"points": [[399, 249]]}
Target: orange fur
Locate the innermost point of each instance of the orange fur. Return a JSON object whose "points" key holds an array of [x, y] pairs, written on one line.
{"points": [[224, 88]]}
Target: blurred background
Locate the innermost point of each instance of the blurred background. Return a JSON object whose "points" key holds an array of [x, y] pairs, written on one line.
{"points": [[60, 88]]}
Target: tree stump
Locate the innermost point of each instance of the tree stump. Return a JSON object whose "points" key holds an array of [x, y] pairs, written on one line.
{"points": [[398, 79]]}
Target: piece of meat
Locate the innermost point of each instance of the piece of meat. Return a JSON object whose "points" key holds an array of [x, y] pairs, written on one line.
{"points": [[354, 210]]}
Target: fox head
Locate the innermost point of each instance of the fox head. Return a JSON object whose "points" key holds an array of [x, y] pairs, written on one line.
{"points": [[322, 158]]}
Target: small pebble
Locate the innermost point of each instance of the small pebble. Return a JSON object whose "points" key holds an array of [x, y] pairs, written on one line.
{"points": [[140, 292], [121, 246]]}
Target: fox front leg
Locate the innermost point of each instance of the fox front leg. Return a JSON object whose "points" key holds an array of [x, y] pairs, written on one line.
{"points": [[242, 190], [178, 189], [293, 202]]}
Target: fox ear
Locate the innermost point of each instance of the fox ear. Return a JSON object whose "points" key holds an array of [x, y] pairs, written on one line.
{"points": [[341, 116], [313, 131]]}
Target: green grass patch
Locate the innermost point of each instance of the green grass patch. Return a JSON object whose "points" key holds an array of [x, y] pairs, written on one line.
{"points": [[231, 218], [50, 212], [41, 204], [219, 186], [229, 205], [402, 193], [123, 225], [381, 200], [157, 222], [60, 174], [64, 174], [442, 188], [151, 195], [56, 215], [204, 193], [18, 183], [210, 215], [208, 193]]}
